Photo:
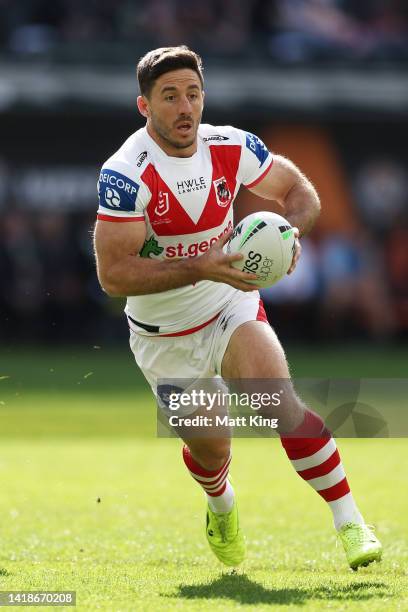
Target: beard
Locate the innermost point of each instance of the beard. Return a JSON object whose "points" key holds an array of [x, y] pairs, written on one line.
{"points": [[165, 133]]}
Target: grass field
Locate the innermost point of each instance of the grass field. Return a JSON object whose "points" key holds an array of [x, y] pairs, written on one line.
{"points": [[92, 501]]}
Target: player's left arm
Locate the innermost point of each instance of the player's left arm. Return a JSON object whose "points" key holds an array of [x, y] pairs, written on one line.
{"points": [[286, 184]]}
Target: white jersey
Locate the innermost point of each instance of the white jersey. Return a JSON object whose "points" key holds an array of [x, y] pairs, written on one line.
{"points": [[187, 204]]}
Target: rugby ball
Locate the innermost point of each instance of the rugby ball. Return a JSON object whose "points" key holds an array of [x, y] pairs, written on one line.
{"points": [[267, 243]]}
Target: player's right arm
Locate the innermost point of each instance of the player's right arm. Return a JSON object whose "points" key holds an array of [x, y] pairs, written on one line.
{"points": [[122, 272]]}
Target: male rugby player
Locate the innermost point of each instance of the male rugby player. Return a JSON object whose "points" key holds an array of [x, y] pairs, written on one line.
{"points": [[165, 212]]}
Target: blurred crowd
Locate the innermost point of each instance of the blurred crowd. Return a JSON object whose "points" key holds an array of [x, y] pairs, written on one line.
{"points": [[353, 284], [350, 285], [49, 291], [289, 31]]}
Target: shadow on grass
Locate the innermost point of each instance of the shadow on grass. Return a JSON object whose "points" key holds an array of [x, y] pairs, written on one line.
{"points": [[4, 572], [241, 589]]}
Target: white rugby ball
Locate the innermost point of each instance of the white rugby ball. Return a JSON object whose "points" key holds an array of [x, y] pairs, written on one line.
{"points": [[267, 243]]}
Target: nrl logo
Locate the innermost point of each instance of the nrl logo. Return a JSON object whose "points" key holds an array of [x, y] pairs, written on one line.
{"points": [[163, 204], [222, 192]]}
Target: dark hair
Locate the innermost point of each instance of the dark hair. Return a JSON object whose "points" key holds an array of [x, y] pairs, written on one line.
{"points": [[159, 61]]}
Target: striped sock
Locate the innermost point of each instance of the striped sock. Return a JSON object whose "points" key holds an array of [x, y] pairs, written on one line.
{"points": [[317, 460], [217, 487]]}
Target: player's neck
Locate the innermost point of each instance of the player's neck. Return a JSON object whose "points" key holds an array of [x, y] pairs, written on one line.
{"points": [[169, 149]]}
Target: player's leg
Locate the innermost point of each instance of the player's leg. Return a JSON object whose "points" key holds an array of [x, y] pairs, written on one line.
{"points": [[208, 460], [222, 526], [254, 352], [206, 456], [207, 449]]}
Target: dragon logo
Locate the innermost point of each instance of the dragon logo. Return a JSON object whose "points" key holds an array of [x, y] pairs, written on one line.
{"points": [[222, 192], [151, 247]]}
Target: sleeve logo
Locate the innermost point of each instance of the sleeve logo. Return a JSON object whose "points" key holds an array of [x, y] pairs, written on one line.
{"points": [[117, 191], [112, 198], [255, 144]]}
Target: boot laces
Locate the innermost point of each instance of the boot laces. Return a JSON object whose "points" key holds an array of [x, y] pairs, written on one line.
{"points": [[357, 534], [224, 526]]}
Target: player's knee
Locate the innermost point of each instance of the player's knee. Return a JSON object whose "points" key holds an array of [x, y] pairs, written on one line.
{"points": [[289, 410]]}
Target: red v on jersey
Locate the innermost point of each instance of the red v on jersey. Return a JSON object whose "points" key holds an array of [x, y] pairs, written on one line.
{"points": [[167, 215], [225, 162], [187, 205]]}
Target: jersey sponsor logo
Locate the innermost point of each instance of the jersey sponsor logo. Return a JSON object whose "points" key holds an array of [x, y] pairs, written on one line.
{"points": [[216, 137], [141, 158], [112, 198], [193, 249], [189, 185], [163, 204], [255, 144], [151, 247], [222, 192], [116, 191]]}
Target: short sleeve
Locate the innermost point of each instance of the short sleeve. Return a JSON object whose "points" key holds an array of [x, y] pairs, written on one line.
{"points": [[255, 161], [121, 198]]}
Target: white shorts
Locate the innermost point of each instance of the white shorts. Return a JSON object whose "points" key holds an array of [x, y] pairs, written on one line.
{"points": [[198, 354]]}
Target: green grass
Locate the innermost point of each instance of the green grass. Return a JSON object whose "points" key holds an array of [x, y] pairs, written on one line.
{"points": [[65, 445], [143, 546]]}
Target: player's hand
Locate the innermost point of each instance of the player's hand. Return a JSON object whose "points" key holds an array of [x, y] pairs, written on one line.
{"points": [[215, 265], [298, 251]]}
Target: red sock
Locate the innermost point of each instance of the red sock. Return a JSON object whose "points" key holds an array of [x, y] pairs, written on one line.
{"points": [[316, 459], [212, 481]]}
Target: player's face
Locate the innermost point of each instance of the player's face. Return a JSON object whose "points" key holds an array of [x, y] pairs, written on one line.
{"points": [[175, 106]]}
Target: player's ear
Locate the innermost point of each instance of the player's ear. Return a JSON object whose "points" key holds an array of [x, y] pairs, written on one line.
{"points": [[143, 106]]}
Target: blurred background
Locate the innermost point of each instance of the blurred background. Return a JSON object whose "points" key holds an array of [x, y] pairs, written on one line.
{"points": [[324, 82]]}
